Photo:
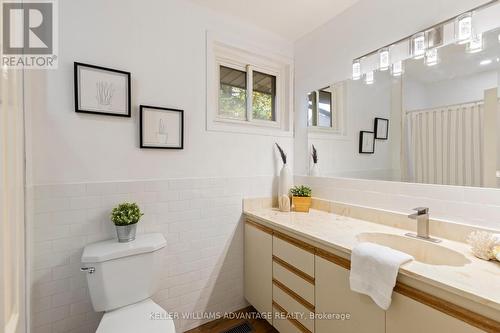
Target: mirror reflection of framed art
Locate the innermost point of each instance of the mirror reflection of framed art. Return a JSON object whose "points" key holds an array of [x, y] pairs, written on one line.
{"points": [[161, 128], [366, 142], [381, 128]]}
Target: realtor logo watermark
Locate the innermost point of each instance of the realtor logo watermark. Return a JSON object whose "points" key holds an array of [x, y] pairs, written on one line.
{"points": [[29, 38]]}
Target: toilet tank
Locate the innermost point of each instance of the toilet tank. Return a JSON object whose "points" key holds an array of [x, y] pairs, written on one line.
{"points": [[119, 274]]}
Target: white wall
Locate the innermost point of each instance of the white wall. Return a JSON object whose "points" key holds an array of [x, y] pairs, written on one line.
{"points": [[162, 43], [419, 95], [192, 196], [325, 55]]}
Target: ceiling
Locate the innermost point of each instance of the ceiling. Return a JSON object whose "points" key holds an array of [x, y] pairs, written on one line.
{"points": [[289, 18]]}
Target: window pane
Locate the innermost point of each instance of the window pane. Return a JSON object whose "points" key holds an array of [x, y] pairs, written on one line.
{"points": [[264, 96], [311, 109], [233, 93], [325, 108]]}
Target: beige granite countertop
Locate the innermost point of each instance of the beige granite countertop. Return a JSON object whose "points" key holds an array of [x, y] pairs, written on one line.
{"points": [[477, 281]]}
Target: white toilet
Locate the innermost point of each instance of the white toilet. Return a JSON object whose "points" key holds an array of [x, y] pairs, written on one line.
{"points": [[122, 277]]}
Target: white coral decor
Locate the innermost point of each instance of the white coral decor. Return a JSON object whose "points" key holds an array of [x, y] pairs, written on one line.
{"points": [[482, 244]]}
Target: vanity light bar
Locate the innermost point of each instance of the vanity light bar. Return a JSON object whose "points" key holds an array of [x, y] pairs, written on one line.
{"points": [[356, 70], [384, 59], [464, 33]]}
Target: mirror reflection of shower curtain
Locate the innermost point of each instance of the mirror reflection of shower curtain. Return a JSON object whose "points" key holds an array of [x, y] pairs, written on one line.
{"points": [[444, 145]]}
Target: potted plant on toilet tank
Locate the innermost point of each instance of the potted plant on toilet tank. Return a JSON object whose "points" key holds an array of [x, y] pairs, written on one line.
{"points": [[301, 198], [125, 217]]}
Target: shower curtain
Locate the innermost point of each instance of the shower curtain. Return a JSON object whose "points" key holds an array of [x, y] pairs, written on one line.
{"points": [[444, 145]]}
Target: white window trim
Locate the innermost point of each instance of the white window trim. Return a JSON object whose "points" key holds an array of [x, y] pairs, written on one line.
{"points": [[229, 53]]}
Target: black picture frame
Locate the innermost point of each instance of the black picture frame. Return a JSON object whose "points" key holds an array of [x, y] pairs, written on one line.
{"points": [[365, 135], [379, 123], [80, 109], [143, 110]]}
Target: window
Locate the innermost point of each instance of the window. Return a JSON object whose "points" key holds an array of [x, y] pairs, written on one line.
{"points": [[325, 108], [234, 91], [264, 96], [325, 111], [312, 112], [320, 108], [247, 91]]}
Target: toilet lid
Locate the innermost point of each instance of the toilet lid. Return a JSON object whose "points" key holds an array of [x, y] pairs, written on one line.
{"points": [[145, 316]]}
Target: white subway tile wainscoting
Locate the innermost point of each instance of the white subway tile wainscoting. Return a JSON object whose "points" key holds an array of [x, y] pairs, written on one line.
{"points": [[200, 219]]}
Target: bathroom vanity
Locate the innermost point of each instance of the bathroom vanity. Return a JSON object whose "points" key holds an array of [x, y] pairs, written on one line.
{"points": [[297, 268]]}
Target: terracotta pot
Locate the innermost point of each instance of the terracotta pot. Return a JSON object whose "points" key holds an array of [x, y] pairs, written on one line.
{"points": [[301, 204]]}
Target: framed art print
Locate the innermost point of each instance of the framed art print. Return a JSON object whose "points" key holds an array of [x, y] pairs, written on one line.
{"points": [[366, 142], [381, 128], [101, 90], [161, 128]]}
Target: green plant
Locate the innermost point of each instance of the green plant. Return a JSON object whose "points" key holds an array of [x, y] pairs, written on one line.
{"points": [[301, 191], [126, 214]]}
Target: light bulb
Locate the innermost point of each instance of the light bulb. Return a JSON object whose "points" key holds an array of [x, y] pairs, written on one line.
{"points": [[431, 57], [369, 77], [397, 68], [463, 28], [418, 45], [384, 59], [356, 70], [476, 44]]}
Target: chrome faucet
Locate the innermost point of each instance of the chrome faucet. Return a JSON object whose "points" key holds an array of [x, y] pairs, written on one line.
{"points": [[422, 217]]}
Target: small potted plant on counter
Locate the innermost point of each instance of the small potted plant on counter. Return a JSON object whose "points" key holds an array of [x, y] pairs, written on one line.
{"points": [[301, 198], [125, 217]]}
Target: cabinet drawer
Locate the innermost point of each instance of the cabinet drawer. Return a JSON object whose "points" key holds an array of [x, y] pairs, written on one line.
{"points": [[284, 325], [303, 315], [297, 284], [300, 256]]}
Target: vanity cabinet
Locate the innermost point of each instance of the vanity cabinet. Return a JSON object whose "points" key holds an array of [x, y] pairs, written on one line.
{"points": [[258, 267], [306, 289], [333, 296], [409, 316]]}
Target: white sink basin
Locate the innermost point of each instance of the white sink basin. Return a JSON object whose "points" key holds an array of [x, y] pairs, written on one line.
{"points": [[423, 251]]}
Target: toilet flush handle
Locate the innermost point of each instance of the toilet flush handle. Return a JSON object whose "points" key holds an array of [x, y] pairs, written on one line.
{"points": [[89, 270]]}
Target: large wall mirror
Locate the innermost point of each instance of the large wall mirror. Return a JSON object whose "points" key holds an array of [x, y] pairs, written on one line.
{"points": [[429, 115]]}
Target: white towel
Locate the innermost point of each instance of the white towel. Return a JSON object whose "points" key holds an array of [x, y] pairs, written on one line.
{"points": [[374, 269]]}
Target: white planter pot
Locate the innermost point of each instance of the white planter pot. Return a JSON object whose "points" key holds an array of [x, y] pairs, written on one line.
{"points": [[314, 172], [284, 185]]}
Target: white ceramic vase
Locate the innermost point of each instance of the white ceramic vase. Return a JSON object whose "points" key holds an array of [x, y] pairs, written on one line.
{"points": [[314, 172], [284, 185]]}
